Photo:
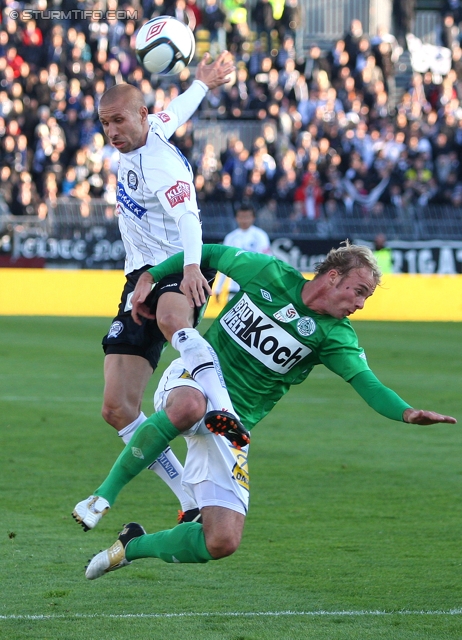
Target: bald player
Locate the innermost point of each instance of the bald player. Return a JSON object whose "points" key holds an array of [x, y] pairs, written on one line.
{"points": [[158, 217]]}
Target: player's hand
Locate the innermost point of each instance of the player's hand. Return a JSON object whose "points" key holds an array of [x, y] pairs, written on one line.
{"points": [[419, 416], [194, 286], [139, 307], [216, 73]]}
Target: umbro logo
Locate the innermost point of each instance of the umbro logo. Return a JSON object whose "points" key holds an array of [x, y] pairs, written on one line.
{"points": [[266, 295]]}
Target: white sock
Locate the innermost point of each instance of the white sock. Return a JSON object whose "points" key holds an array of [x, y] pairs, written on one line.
{"points": [[127, 432], [202, 362], [170, 470], [167, 466]]}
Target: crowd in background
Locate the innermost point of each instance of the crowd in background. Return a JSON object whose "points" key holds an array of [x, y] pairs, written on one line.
{"points": [[335, 134]]}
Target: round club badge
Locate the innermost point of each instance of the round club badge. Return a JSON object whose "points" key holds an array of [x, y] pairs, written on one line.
{"points": [[132, 180], [306, 326], [115, 329]]}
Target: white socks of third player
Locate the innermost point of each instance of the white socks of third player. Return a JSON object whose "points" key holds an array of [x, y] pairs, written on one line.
{"points": [[167, 466], [201, 360]]}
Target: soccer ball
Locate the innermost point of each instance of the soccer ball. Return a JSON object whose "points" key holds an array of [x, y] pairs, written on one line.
{"points": [[164, 45]]}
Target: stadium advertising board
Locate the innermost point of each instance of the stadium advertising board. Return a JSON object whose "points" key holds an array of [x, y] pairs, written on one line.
{"points": [[102, 249], [426, 257], [97, 248]]}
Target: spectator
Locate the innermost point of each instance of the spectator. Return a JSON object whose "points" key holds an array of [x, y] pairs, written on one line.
{"points": [[8, 179], [224, 190], [308, 198], [315, 62], [286, 51], [419, 185], [290, 20], [383, 254], [25, 199], [236, 18], [69, 182], [32, 42], [352, 39], [262, 15], [196, 17], [110, 189], [213, 19], [183, 12], [403, 15]]}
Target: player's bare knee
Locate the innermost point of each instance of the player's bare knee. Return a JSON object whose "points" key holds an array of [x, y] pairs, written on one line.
{"points": [[185, 406], [110, 416], [116, 417], [222, 530], [169, 322], [221, 546]]}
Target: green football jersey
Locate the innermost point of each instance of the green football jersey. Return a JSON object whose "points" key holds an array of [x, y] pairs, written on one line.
{"points": [[266, 338]]}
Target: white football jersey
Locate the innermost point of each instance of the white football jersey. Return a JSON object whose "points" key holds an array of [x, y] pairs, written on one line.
{"points": [[154, 189], [251, 239]]}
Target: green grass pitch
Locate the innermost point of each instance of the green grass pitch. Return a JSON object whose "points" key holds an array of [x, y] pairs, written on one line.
{"points": [[354, 529]]}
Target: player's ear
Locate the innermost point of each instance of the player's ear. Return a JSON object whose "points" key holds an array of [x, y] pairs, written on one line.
{"points": [[333, 276]]}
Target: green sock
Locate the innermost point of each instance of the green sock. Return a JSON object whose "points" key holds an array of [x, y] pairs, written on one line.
{"points": [[184, 543], [146, 445]]}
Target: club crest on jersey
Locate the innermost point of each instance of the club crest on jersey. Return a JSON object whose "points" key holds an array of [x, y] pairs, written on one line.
{"points": [[115, 329], [128, 204], [262, 337], [132, 180], [287, 314], [266, 295], [163, 116], [306, 326], [180, 192]]}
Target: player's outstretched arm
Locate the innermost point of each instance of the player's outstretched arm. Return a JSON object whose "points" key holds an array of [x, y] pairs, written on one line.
{"points": [[215, 73], [142, 289], [419, 416]]}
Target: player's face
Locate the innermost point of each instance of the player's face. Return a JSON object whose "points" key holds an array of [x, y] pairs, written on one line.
{"points": [[245, 219], [349, 293], [126, 127]]}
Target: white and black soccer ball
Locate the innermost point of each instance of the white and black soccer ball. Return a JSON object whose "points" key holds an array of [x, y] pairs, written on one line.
{"points": [[164, 45]]}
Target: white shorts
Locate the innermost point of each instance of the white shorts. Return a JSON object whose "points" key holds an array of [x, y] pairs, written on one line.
{"points": [[215, 472]]}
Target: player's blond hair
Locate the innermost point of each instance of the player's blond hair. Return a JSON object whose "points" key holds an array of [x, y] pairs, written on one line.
{"points": [[349, 257]]}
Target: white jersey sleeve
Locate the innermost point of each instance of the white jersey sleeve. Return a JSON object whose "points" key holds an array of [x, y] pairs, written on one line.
{"points": [[181, 108]]}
